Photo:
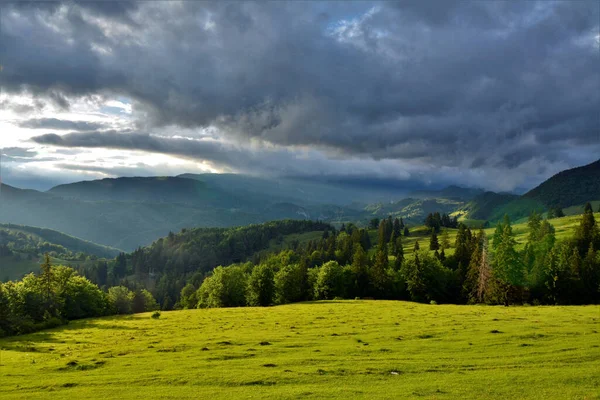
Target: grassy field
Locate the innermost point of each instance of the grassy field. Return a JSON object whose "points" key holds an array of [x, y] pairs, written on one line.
{"points": [[565, 229], [344, 349]]}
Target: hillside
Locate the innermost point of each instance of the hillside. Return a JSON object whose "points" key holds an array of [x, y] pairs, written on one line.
{"points": [[570, 187], [131, 217], [332, 349], [450, 192], [203, 249], [481, 207], [22, 249], [27, 236]]}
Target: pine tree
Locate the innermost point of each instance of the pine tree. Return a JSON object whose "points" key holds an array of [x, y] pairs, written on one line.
{"points": [[406, 231], [433, 241], [399, 254], [360, 270], [445, 240], [397, 230], [508, 269], [379, 278], [587, 231]]}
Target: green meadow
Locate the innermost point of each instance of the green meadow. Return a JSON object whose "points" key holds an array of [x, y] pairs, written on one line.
{"points": [[332, 349]]}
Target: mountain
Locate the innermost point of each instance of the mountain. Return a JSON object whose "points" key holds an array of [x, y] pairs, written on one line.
{"points": [[450, 192], [130, 212], [299, 191], [484, 205], [22, 249], [570, 187], [414, 211], [33, 237]]}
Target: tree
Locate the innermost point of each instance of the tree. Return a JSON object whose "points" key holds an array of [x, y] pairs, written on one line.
{"points": [[188, 297], [226, 287], [433, 241], [261, 287], [445, 240], [378, 273], [374, 223], [167, 303], [329, 281], [120, 299], [288, 284], [534, 223], [508, 269], [360, 272], [397, 230], [406, 231], [138, 302], [46, 280], [587, 232], [398, 253]]}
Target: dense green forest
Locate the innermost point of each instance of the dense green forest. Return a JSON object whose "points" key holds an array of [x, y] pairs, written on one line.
{"points": [[480, 270], [59, 294], [289, 261]]}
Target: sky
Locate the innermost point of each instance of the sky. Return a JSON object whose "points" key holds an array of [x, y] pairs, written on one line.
{"points": [[491, 94]]}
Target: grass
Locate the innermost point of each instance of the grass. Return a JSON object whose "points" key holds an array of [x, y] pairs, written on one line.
{"points": [[336, 349], [565, 229]]}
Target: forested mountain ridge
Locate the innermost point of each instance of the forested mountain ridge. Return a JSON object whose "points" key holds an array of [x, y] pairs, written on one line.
{"points": [[21, 237], [569, 188]]}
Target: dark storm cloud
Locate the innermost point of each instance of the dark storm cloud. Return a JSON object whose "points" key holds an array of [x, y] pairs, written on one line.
{"points": [[54, 123], [485, 85]]}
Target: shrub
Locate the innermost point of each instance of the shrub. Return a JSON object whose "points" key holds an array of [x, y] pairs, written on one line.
{"points": [[156, 315]]}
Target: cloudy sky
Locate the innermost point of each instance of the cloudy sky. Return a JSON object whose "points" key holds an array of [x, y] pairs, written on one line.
{"points": [[499, 95]]}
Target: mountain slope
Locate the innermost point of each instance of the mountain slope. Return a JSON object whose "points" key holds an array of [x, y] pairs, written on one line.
{"points": [[482, 207], [570, 187], [450, 192], [30, 236]]}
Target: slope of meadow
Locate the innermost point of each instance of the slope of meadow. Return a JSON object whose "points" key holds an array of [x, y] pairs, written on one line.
{"points": [[565, 229], [343, 349]]}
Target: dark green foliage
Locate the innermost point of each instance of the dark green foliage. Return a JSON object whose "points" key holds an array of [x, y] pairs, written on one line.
{"points": [[433, 241], [587, 233], [59, 294], [261, 288], [435, 221], [484, 205], [569, 188], [330, 281]]}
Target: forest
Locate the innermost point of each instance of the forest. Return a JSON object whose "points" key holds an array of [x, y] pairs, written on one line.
{"points": [[340, 264]]}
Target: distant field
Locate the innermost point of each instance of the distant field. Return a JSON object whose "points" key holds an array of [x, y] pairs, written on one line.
{"points": [[345, 349], [565, 229]]}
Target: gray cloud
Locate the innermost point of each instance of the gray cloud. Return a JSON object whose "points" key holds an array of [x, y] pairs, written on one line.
{"points": [[492, 86], [59, 124]]}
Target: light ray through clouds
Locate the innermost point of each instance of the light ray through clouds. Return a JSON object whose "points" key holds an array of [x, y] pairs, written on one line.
{"points": [[491, 94]]}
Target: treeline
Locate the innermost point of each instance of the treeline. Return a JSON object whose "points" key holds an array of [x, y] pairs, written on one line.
{"points": [[479, 271], [16, 243], [436, 221], [58, 295]]}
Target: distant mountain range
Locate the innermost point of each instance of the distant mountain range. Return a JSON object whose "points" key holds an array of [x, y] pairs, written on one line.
{"points": [[126, 213]]}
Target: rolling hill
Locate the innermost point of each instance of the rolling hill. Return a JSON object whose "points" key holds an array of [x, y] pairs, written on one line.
{"points": [[22, 249], [569, 188]]}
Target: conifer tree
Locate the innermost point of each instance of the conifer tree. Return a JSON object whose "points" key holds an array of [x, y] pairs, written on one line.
{"points": [[433, 241], [508, 269], [360, 271]]}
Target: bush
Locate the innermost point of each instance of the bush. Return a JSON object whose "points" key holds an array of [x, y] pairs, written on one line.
{"points": [[156, 315], [433, 303]]}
